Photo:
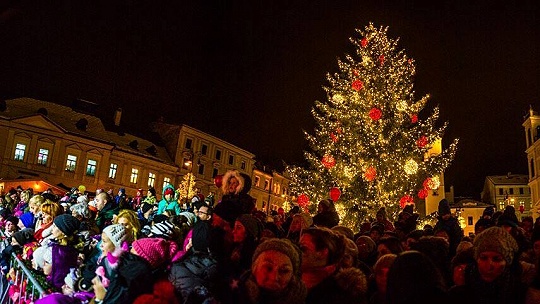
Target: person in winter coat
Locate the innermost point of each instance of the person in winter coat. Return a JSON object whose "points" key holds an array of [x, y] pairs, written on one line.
{"points": [[274, 276], [327, 215], [167, 199], [235, 189], [322, 252], [106, 210], [494, 277], [449, 223]]}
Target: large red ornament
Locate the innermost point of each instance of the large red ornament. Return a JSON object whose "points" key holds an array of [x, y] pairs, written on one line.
{"points": [[427, 183], [364, 42], [218, 180], [521, 208], [334, 137], [422, 142], [422, 194], [370, 174], [335, 193], [357, 85], [375, 114], [381, 59], [406, 200], [328, 161], [302, 200], [414, 118]]}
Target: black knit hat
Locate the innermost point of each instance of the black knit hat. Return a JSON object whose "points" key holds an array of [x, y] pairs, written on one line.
{"points": [[282, 245], [145, 207], [228, 211], [24, 236], [68, 224], [253, 226], [444, 207]]}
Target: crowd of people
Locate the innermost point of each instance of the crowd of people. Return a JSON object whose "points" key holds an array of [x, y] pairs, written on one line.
{"points": [[144, 249]]}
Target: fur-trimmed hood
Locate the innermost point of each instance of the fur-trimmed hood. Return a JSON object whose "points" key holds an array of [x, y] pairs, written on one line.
{"points": [[228, 175]]}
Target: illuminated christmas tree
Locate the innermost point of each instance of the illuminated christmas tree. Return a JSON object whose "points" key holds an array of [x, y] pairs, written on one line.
{"points": [[186, 189], [369, 141]]}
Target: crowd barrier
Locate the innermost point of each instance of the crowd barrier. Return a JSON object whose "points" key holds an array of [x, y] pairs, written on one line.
{"points": [[19, 285]]}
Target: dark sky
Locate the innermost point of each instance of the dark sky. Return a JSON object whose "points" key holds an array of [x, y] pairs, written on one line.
{"points": [[249, 71]]}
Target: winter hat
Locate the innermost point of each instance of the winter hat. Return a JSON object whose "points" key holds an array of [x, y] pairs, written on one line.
{"points": [[190, 216], [153, 191], [282, 245], [24, 236], [122, 190], [444, 207], [488, 211], [508, 217], [498, 240], [370, 243], [253, 226], [346, 231], [156, 251], [227, 211], [326, 203], [82, 199], [145, 207], [160, 218], [27, 219], [116, 233], [38, 257], [168, 191], [409, 209], [67, 224], [162, 229]]}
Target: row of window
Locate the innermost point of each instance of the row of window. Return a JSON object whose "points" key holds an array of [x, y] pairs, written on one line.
{"points": [[277, 187], [510, 191], [91, 166], [217, 154]]}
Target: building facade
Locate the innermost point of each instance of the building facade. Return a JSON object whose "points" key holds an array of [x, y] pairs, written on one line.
{"points": [[532, 134], [44, 141], [270, 190], [510, 189]]}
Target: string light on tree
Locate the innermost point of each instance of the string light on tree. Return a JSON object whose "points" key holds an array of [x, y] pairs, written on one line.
{"points": [[369, 141]]}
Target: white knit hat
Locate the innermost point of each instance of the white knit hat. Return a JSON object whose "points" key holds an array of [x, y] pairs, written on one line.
{"points": [[41, 255], [116, 233]]}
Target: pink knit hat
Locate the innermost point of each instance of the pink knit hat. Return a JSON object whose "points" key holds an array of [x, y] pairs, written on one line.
{"points": [[156, 251]]}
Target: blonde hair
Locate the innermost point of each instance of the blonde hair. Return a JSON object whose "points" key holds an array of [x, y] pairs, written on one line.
{"points": [[134, 224], [37, 200], [25, 196]]}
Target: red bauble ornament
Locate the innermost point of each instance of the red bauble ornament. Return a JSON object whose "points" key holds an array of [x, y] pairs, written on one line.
{"points": [[334, 137], [218, 180], [370, 174], [422, 194], [302, 200], [422, 142], [406, 200], [364, 42], [521, 208], [381, 59], [335, 193], [414, 118], [375, 114], [427, 183], [357, 85], [328, 161]]}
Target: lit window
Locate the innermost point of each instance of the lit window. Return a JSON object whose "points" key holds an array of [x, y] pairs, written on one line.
{"points": [[91, 167], [166, 181], [19, 152], [151, 179], [43, 155], [501, 205], [257, 181], [71, 163], [134, 175], [266, 185], [112, 170]]}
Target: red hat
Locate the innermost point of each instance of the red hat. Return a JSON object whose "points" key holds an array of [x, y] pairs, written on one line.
{"points": [[168, 191]]}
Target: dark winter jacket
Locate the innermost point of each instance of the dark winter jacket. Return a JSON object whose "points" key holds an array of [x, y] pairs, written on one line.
{"points": [[105, 215], [346, 286], [327, 219], [195, 270], [451, 226], [132, 278]]}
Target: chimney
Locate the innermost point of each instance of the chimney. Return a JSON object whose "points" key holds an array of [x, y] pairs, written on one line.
{"points": [[117, 117]]}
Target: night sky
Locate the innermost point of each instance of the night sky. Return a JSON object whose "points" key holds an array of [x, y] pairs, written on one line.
{"points": [[249, 71]]}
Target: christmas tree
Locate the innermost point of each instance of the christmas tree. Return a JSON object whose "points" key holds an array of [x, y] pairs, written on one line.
{"points": [[186, 189], [369, 141]]}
